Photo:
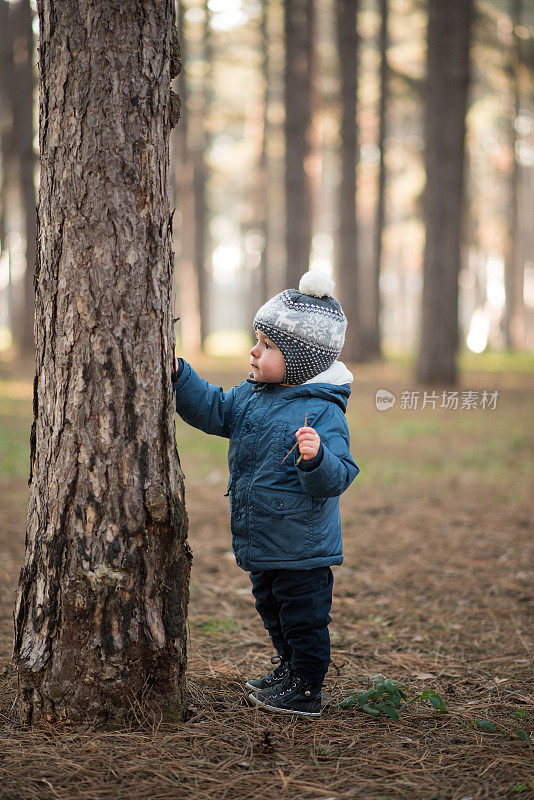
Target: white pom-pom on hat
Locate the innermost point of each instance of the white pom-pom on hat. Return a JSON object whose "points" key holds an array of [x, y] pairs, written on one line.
{"points": [[316, 283]]}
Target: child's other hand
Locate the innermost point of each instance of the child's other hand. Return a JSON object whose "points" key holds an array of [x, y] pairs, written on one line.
{"points": [[309, 442]]}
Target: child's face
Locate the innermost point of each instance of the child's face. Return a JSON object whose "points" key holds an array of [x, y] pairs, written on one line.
{"points": [[266, 360]]}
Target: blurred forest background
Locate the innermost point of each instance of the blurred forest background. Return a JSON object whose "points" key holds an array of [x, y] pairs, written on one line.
{"points": [[309, 130], [302, 141]]}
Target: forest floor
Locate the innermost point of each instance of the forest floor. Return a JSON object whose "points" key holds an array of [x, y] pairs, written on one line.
{"points": [[436, 592]]}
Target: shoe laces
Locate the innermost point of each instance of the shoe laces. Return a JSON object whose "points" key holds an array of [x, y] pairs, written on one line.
{"points": [[294, 682], [285, 691], [291, 682], [281, 664], [280, 660]]}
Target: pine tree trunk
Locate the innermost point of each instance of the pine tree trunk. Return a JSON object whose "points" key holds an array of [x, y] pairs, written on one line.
{"points": [[6, 66], [23, 96], [18, 161], [10, 183], [201, 219], [445, 109], [373, 345], [263, 165], [347, 272], [200, 146], [299, 23], [101, 608], [514, 320], [186, 276]]}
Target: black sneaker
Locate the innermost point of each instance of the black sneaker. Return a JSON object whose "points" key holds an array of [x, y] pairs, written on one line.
{"points": [[272, 678], [290, 697]]}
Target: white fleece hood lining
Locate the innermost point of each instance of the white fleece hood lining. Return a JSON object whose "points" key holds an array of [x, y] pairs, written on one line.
{"points": [[337, 375]]}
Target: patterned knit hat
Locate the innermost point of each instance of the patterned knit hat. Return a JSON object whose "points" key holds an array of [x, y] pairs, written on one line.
{"points": [[307, 325]]}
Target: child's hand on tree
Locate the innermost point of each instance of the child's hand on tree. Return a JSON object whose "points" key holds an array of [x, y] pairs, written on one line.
{"points": [[174, 370], [309, 442]]}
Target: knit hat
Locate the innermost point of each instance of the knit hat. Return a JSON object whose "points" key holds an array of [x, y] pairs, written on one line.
{"points": [[307, 325]]}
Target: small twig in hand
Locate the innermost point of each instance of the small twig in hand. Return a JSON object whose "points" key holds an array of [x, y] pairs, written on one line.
{"points": [[299, 459], [296, 443], [288, 454]]}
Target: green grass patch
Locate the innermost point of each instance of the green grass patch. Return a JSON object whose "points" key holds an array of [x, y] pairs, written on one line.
{"points": [[411, 427], [488, 361], [15, 426], [194, 442], [14, 447], [496, 362], [215, 626]]}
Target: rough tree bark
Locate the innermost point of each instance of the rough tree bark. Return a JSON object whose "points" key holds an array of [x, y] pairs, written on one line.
{"points": [[299, 24], [101, 608], [449, 26]]}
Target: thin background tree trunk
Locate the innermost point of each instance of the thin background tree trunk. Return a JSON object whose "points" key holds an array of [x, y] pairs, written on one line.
{"points": [[276, 147], [263, 165], [299, 24], [256, 215], [23, 96], [10, 184], [347, 271], [449, 27], [18, 160], [199, 147], [372, 338], [183, 168], [514, 322], [6, 115], [101, 607]]}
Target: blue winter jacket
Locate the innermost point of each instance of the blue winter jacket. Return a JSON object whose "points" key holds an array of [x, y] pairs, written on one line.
{"points": [[282, 516]]}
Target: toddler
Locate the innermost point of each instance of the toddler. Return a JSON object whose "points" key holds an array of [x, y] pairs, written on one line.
{"points": [[284, 495]]}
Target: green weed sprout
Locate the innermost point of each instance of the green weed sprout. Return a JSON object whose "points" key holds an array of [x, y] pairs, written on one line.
{"points": [[389, 697]]}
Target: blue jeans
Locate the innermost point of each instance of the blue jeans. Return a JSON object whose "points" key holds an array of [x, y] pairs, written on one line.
{"points": [[294, 605]]}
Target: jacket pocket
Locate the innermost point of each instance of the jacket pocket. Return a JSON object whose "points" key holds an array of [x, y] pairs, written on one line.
{"points": [[280, 503], [280, 524]]}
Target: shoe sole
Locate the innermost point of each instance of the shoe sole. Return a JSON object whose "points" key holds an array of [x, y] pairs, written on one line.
{"points": [[266, 707]]}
